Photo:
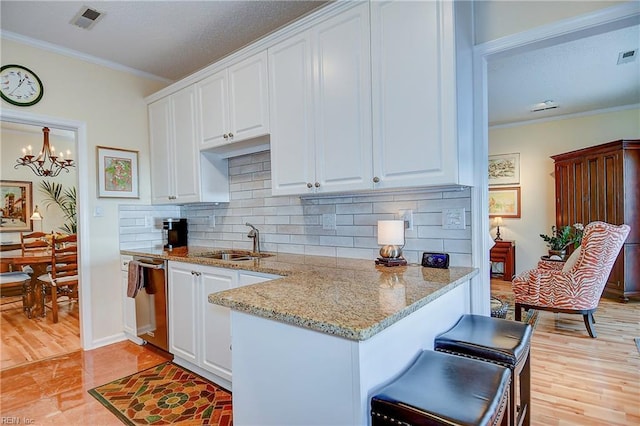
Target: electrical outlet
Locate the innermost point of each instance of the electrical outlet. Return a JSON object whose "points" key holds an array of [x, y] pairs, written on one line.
{"points": [[407, 216], [212, 221], [329, 221], [453, 219], [148, 221]]}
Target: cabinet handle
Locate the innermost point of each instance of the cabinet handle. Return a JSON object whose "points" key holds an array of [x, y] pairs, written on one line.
{"points": [[226, 136], [376, 179], [230, 134], [197, 274], [309, 185], [317, 184]]}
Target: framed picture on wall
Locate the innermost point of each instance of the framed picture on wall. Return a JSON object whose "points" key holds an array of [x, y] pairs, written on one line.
{"points": [[504, 169], [504, 202], [17, 206], [117, 173]]}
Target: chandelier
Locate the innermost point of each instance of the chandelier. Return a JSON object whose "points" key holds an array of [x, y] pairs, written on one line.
{"points": [[47, 163]]}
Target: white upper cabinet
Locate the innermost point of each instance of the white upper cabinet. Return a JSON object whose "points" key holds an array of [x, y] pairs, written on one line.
{"points": [[321, 108], [421, 111], [233, 103], [175, 171], [291, 114], [180, 173], [343, 102]]}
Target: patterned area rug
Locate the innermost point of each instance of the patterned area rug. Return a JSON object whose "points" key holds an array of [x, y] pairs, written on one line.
{"points": [[529, 317], [166, 394]]}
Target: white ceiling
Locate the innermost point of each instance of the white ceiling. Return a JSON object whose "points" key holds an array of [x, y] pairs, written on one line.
{"points": [[172, 39]]}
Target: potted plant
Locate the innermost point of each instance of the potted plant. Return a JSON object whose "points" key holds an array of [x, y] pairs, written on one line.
{"points": [[65, 199], [563, 237]]}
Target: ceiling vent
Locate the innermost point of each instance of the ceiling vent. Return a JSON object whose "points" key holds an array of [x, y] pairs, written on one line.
{"points": [[627, 56], [543, 106], [86, 18]]}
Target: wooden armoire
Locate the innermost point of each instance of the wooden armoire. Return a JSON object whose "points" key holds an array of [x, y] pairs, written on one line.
{"points": [[602, 182]]}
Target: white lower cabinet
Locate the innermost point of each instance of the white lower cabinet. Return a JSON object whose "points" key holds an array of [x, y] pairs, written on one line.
{"points": [[199, 331], [128, 303]]}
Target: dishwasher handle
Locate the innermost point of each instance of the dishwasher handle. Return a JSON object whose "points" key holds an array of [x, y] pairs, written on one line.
{"points": [[150, 263]]}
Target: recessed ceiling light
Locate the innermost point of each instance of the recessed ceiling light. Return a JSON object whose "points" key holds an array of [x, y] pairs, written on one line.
{"points": [[542, 106], [86, 18]]}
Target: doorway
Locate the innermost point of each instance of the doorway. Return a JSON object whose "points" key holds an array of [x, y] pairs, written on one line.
{"points": [[73, 331]]}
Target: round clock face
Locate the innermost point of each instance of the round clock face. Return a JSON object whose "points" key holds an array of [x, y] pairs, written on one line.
{"points": [[20, 86]]}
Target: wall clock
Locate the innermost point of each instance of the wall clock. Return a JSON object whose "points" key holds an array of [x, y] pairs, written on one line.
{"points": [[20, 86]]}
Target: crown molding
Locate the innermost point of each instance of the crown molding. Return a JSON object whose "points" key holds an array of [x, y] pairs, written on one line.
{"points": [[54, 48]]}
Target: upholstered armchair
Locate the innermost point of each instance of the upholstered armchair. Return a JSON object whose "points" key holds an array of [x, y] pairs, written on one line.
{"points": [[576, 286]]}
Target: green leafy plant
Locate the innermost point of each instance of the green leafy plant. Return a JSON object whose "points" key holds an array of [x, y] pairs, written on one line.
{"points": [[561, 238], [65, 199]]}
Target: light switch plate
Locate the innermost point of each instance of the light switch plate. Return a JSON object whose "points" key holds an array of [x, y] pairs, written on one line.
{"points": [[453, 218]]}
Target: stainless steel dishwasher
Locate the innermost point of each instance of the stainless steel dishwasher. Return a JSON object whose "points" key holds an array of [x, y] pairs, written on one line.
{"points": [[151, 303]]}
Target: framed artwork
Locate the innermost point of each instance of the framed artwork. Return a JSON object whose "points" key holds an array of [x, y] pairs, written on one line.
{"points": [[17, 206], [504, 169], [117, 173], [504, 202]]}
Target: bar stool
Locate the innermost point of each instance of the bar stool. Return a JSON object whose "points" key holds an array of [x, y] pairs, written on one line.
{"points": [[498, 341], [442, 389]]}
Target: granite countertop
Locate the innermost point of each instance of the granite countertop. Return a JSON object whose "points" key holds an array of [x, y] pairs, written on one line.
{"points": [[349, 298]]}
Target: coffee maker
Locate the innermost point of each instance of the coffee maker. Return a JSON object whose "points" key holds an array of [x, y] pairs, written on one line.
{"points": [[174, 233]]}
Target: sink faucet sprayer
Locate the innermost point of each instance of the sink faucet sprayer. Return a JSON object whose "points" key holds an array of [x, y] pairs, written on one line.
{"points": [[255, 234]]}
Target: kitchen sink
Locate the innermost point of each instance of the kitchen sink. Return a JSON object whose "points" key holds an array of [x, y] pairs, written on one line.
{"points": [[234, 255]]}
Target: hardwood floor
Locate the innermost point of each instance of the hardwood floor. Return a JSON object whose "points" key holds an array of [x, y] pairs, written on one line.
{"points": [[55, 391], [576, 380], [25, 340]]}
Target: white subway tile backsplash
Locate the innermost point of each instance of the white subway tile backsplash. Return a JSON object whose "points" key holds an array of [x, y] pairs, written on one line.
{"points": [[289, 224]]}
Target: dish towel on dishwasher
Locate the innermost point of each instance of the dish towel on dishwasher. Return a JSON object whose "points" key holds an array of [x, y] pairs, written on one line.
{"points": [[135, 281]]}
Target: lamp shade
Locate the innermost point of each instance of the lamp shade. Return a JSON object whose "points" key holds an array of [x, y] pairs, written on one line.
{"points": [[36, 214], [391, 232], [498, 221]]}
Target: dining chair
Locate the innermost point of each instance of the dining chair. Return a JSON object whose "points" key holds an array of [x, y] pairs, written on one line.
{"points": [[62, 279], [13, 284], [32, 243]]}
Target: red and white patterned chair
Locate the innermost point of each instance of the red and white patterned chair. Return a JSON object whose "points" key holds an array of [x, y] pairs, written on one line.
{"points": [[573, 287]]}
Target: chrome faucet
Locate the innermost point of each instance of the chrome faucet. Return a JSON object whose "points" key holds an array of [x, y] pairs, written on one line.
{"points": [[255, 234]]}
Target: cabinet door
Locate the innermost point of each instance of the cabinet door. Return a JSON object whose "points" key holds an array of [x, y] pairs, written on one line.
{"points": [[248, 98], [291, 116], [183, 320], [215, 322], [129, 309], [570, 199], [186, 154], [603, 186], [213, 110], [161, 151], [343, 102], [407, 97]]}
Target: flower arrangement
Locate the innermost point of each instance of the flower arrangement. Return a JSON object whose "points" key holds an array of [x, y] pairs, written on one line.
{"points": [[561, 238]]}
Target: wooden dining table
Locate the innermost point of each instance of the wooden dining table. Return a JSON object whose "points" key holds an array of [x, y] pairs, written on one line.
{"points": [[38, 261]]}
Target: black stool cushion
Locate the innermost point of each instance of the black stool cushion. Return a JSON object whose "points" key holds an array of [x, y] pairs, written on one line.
{"points": [[444, 389], [499, 340]]}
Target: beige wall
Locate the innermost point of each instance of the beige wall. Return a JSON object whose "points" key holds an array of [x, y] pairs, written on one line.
{"points": [[536, 143], [111, 103], [496, 19]]}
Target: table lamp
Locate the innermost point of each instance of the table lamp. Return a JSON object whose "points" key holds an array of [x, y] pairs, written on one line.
{"points": [[498, 221], [37, 217], [391, 238]]}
